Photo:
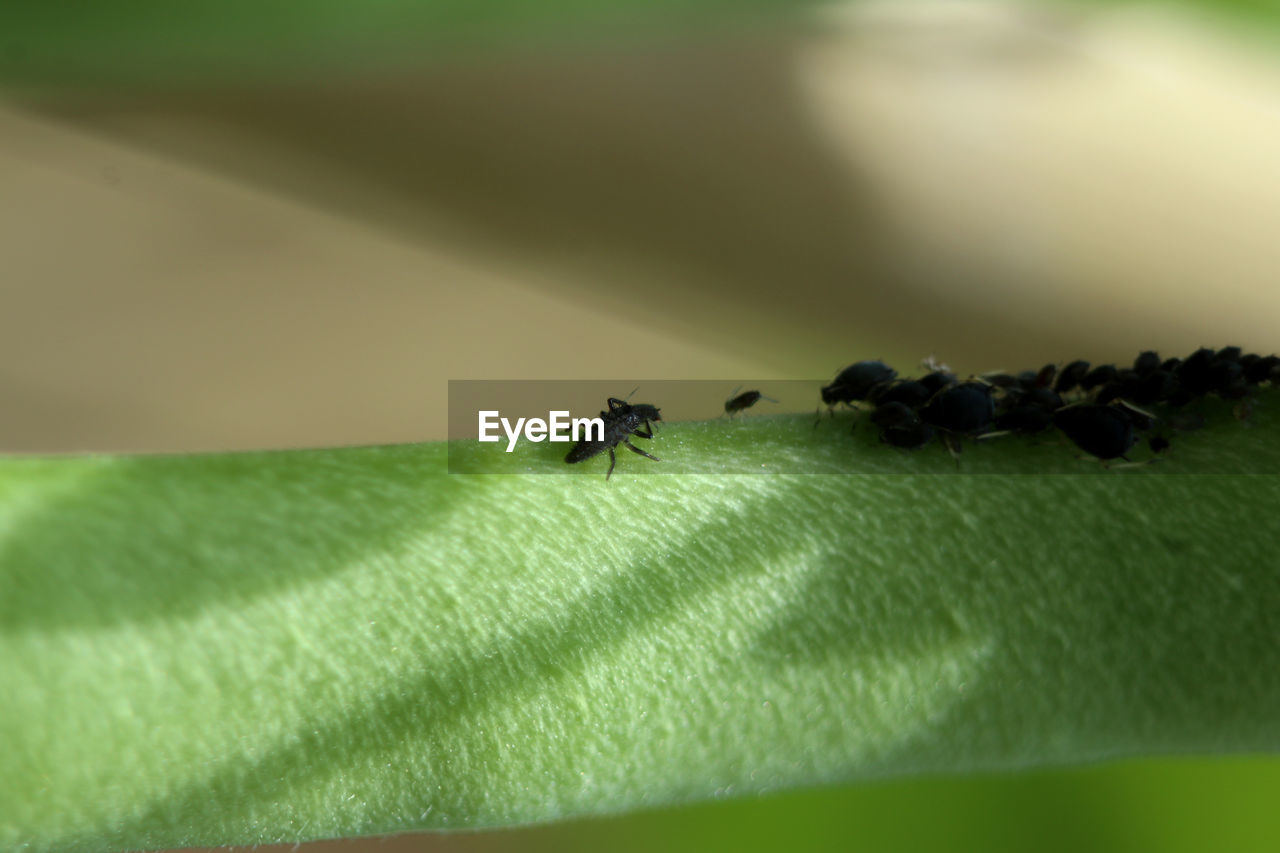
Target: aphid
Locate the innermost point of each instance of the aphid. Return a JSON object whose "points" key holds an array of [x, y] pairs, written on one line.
{"points": [[1126, 385], [909, 392], [1226, 378], [622, 421], [1028, 408], [1042, 378], [1109, 392], [892, 413], [936, 380], [1106, 432], [967, 408], [1000, 379], [1146, 362], [738, 402], [1024, 419], [1155, 387], [1262, 369], [908, 436], [1158, 443], [1228, 354], [1041, 396], [855, 382], [1069, 377], [901, 427], [1193, 373], [1100, 375]]}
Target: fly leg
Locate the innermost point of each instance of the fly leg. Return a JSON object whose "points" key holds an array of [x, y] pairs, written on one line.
{"points": [[628, 443]]}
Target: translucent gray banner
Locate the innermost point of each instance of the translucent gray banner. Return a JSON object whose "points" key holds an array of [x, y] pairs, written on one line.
{"points": [[629, 427]]}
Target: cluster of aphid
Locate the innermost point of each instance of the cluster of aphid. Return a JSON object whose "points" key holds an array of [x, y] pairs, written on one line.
{"points": [[1097, 408]]}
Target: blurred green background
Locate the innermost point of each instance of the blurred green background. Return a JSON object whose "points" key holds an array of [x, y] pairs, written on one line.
{"points": [[235, 225]]}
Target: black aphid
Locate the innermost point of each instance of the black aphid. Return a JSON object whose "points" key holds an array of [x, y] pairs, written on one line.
{"points": [[1045, 398], [855, 382], [1155, 387], [1069, 377], [738, 402], [1146, 362], [908, 392], [1043, 378], [1247, 363], [1024, 419], [1226, 378], [966, 409], [622, 421], [1262, 370], [1193, 373], [1000, 379], [936, 380], [1127, 385], [1100, 375], [1109, 392], [1106, 432], [1228, 354], [901, 427], [1028, 407]]}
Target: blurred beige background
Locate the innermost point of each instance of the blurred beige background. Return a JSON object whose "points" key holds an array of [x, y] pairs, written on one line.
{"points": [[1000, 184]]}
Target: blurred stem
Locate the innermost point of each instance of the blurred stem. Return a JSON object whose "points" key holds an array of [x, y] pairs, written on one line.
{"points": [[250, 648]]}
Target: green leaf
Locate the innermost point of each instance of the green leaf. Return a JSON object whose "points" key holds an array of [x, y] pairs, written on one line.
{"points": [[257, 647], [157, 43]]}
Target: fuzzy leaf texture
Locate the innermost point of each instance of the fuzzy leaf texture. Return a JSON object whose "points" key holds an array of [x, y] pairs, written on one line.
{"points": [[280, 646]]}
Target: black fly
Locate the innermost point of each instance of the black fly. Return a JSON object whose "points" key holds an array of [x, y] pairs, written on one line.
{"points": [[737, 402], [622, 421]]}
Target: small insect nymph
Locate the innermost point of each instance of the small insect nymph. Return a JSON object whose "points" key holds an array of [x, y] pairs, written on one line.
{"points": [[738, 402], [622, 421]]}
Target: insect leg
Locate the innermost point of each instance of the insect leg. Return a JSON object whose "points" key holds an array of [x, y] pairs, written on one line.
{"points": [[648, 431], [953, 446], [613, 460], [628, 443]]}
